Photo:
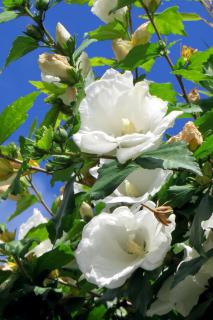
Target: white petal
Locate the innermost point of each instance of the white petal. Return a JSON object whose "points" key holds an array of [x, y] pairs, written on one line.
{"points": [[35, 220], [43, 247], [101, 8], [167, 122]]}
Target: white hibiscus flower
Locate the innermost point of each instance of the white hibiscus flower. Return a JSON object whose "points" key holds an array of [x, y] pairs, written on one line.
{"points": [[102, 8], [185, 295], [121, 119], [114, 245]]}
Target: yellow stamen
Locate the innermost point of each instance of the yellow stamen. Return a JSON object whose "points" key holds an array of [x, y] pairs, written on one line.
{"points": [[127, 127], [130, 189]]}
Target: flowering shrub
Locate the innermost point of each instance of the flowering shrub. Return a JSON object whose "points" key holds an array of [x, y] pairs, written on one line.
{"points": [[129, 235]]}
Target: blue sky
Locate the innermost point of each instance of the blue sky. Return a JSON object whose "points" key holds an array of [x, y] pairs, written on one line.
{"points": [[78, 20]]}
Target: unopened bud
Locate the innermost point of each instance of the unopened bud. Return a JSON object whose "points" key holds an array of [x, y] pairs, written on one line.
{"points": [[190, 134], [42, 4], [194, 96], [121, 48], [187, 52], [69, 96], [34, 32], [62, 35], [86, 211], [55, 65], [141, 35], [151, 5], [83, 64]]}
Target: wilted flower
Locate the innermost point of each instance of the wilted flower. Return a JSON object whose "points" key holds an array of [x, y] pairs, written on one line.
{"points": [[141, 35], [121, 48], [190, 134], [62, 35], [194, 96], [55, 65], [120, 118], [102, 8], [187, 52], [114, 245]]}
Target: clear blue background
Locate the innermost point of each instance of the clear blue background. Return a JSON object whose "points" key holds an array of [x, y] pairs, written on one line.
{"points": [[78, 20]]}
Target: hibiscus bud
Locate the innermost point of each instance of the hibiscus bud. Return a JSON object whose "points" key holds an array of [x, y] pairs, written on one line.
{"points": [[151, 5], [62, 35], [34, 32], [141, 35], [83, 64], [55, 65], [190, 134], [42, 4], [187, 52], [86, 211], [69, 96], [121, 48], [194, 96]]}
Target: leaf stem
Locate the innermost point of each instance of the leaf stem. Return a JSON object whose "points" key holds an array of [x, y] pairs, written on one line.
{"points": [[39, 197], [165, 54]]}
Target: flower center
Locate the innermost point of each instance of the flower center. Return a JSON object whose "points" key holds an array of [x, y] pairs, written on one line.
{"points": [[130, 189], [127, 127], [134, 248]]}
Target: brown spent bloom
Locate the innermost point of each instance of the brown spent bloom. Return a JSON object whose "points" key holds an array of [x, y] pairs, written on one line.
{"points": [[194, 96], [187, 52], [190, 134], [161, 213]]}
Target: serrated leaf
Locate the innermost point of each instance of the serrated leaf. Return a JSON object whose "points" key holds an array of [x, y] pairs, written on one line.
{"points": [[46, 140], [169, 21], [23, 204], [15, 114], [112, 30], [190, 267], [7, 16], [202, 213], [180, 195], [101, 61], [169, 156], [164, 91], [21, 46], [140, 55]]}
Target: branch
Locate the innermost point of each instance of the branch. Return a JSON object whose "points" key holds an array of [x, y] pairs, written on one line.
{"points": [[34, 168], [165, 54], [39, 197]]}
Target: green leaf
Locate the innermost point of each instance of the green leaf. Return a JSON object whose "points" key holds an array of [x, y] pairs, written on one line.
{"points": [[205, 122], [46, 140], [13, 4], [38, 233], [7, 16], [190, 267], [101, 61], [164, 91], [111, 175], [180, 195], [23, 204], [54, 259], [61, 175], [202, 213], [49, 88], [97, 313], [206, 149], [140, 298], [4, 275], [169, 21], [187, 16], [140, 55], [169, 156], [21, 46], [51, 117], [17, 248], [112, 30], [15, 114], [86, 43]]}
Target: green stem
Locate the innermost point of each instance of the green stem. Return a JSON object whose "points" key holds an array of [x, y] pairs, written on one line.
{"points": [[165, 54]]}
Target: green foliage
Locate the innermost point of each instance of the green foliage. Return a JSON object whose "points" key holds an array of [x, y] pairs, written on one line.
{"points": [[7, 16], [15, 115], [22, 204], [21, 46], [169, 21], [112, 30], [164, 91], [139, 55]]}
